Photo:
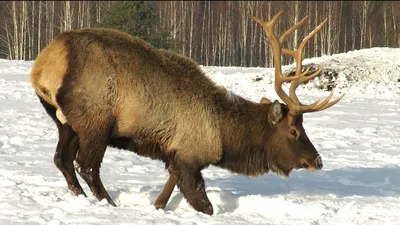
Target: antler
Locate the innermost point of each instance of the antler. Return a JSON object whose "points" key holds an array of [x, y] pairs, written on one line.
{"points": [[295, 106]]}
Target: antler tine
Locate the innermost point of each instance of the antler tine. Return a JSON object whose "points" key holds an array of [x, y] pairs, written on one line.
{"points": [[298, 57], [268, 27], [295, 106], [327, 99], [310, 35], [289, 32], [325, 104], [330, 103], [292, 29], [303, 79], [315, 107]]}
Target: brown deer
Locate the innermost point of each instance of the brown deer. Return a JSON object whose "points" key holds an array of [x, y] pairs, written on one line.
{"points": [[106, 88]]}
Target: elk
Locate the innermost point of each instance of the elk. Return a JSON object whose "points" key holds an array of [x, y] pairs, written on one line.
{"points": [[105, 88]]}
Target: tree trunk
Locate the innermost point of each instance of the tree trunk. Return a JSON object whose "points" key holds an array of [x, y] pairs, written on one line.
{"points": [[330, 18], [39, 37], [16, 37]]}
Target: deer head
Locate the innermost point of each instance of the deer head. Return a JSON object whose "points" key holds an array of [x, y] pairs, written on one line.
{"points": [[291, 134]]}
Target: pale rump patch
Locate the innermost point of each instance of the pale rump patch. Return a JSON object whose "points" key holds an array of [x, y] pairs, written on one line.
{"points": [[60, 116], [49, 70]]}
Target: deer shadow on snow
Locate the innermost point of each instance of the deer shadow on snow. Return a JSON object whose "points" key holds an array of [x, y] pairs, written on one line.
{"points": [[365, 182]]}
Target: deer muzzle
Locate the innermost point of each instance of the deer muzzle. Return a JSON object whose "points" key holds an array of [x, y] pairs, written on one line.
{"points": [[314, 165], [318, 163]]}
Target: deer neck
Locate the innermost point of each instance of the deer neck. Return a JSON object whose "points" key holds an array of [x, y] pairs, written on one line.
{"points": [[244, 137]]}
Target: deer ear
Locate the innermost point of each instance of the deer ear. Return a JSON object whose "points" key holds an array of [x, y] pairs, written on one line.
{"points": [[275, 113], [264, 100]]}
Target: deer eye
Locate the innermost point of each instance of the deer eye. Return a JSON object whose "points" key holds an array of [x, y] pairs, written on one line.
{"points": [[294, 133]]}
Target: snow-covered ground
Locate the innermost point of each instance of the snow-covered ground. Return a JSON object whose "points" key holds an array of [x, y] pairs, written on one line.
{"points": [[358, 139]]}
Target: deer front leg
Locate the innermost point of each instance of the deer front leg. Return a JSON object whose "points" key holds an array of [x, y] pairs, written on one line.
{"points": [[191, 184]]}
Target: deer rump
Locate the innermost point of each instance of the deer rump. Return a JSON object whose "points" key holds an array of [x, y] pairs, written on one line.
{"points": [[106, 88]]}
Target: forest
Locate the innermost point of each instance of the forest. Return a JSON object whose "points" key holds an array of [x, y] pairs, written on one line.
{"points": [[213, 33]]}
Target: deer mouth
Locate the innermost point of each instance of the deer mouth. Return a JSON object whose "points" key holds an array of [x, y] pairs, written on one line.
{"points": [[314, 166], [309, 167]]}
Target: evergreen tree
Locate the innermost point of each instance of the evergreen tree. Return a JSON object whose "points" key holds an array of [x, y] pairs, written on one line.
{"points": [[140, 19]]}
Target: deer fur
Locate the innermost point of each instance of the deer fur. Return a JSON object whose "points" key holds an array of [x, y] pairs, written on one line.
{"points": [[106, 88]]}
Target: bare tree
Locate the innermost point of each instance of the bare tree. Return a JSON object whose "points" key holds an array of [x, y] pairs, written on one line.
{"points": [[16, 54], [66, 17], [39, 33], [296, 15], [212, 33], [7, 40], [396, 21], [49, 21], [316, 46], [19, 18], [31, 30], [88, 13], [243, 7], [81, 14], [329, 29]]}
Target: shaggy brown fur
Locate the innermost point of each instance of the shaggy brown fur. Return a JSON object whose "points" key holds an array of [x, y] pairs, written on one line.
{"points": [[114, 89], [68, 146]]}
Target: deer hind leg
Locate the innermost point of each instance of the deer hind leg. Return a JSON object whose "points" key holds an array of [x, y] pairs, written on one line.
{"points": [[93, 144], [68, 145], [165, 194], [191, 184], [67, 148]]}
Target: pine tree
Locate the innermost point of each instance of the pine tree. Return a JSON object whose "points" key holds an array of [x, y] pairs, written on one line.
{"points": [[140, 19]]}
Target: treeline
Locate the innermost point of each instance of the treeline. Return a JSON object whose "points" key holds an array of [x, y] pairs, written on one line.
{"points": [[219, 33]]}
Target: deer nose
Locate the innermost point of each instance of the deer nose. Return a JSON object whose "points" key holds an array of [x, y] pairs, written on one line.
{"points": [[318, 163]]}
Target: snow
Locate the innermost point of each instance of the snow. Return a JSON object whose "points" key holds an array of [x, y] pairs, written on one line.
{"points": [[358, 140]]}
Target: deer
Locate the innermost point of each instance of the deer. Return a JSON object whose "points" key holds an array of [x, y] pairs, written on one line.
{"points": [[103, 87]]}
